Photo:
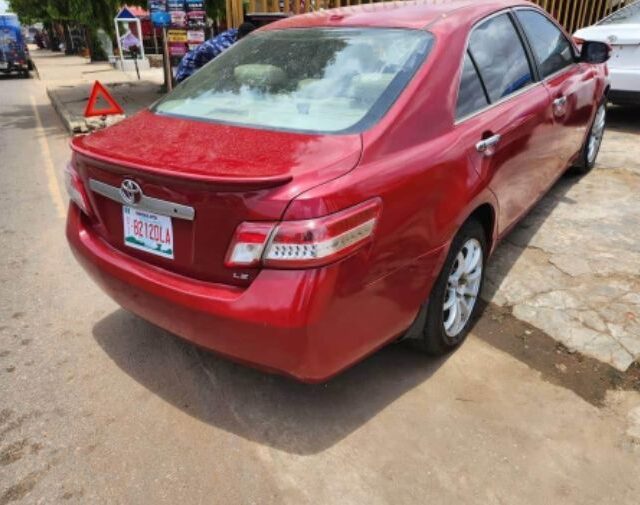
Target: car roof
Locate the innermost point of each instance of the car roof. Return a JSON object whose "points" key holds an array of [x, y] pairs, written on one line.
{"points": [[415, 14]]}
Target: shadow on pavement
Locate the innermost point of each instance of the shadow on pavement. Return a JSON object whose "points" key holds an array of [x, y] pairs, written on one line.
{"points": [[306, 419], [10, 77], [268, 409], [623, 119]]}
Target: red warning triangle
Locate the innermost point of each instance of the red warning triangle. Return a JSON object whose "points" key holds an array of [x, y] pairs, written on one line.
{"points": [[98, 91]]}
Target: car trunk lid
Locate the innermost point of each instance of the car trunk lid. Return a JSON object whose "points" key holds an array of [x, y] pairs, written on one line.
{"points": [[222, 174]]}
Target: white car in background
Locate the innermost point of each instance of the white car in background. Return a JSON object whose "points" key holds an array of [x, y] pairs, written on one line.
{"points": [[621, 30]]}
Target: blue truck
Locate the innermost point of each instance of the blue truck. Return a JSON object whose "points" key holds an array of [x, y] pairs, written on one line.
{"points": [[14, 54]]}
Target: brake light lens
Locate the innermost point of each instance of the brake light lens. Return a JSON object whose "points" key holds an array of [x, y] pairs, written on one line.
{"points": [[307, 243], [248, 244], [578, 41], [76, 190]]}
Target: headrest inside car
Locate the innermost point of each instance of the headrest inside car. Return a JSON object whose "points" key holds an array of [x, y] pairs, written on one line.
{"points": [[259, 75], [368, 87]]}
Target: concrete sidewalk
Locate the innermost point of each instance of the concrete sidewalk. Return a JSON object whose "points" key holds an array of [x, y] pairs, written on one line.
{"points": [[69, 80]]}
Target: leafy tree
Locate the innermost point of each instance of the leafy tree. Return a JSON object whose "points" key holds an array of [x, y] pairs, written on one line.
{"points": [[93, 14], [29, 11], [216, 9]]}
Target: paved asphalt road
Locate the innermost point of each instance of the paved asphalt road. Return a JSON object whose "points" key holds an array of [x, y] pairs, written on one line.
{"points": [[98, 406]]}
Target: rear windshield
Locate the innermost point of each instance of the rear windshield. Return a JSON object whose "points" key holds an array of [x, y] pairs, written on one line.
{"points": [[627, 15], [325, 80], [8, 39]]}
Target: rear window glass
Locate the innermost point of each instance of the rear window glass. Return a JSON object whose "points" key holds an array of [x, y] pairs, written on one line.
{"points": [[8, 39], [313, 80]]}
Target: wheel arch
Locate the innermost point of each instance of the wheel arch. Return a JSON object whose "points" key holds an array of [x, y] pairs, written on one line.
{"points": [[485, 213]]}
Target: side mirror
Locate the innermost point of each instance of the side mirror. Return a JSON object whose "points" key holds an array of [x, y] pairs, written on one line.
{"points": [[595, 52]]}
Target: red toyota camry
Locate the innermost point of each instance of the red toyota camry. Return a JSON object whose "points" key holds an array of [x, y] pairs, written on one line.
{"points": [[336, 180]]}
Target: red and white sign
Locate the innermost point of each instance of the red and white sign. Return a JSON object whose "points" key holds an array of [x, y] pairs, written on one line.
{"points": [[92, 108], [195, 36]]}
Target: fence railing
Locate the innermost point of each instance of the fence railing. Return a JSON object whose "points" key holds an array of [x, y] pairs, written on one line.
{"points": [[572, 14], [575, 14]]}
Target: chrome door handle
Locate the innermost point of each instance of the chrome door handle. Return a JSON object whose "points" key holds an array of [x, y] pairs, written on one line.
{"points": [[486, 146], [560, 102]]}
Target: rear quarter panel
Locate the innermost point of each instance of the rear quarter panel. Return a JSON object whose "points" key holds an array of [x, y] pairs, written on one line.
{"points": [[416, 162]]}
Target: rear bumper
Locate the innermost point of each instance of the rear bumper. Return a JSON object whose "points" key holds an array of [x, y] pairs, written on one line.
{"points": [[307, 324], [13, 67]]}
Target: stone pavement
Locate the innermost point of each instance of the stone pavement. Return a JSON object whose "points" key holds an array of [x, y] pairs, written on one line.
{"points": [[572, 267], [69, 79]]}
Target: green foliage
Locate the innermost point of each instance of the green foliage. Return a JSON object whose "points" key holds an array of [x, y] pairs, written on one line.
{"points": [[95, 48], [92, 13], [29, 11], [216, 9]]}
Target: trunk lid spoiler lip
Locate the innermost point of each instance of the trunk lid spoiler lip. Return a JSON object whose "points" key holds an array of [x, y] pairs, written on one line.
{"points": [[122, 166]]}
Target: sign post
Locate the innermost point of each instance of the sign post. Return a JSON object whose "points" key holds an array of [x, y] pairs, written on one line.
{"points": [[168, 77], [196, 16]]}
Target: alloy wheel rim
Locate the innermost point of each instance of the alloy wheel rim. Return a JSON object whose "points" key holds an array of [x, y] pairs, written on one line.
{"points": [[463, 287], [597, 132]]}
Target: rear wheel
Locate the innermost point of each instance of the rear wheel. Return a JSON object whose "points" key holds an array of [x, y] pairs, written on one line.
{"points": [[592, 145], [453, 304]]}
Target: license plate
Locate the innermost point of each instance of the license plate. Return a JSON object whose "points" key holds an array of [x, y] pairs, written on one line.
{"points": [[3, 65], [148, 232]]}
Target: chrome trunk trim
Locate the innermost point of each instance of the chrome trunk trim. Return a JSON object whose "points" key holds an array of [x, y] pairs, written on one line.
{"points": [[148, 203]]}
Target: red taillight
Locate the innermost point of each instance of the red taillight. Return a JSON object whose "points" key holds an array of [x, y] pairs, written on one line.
{"points": [[578, 41], [248, 244], [308, 243], [76, 190]]}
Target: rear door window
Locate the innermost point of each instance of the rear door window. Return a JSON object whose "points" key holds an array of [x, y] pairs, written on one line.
{"points": [[551, 48], [471, 95], [500, 56]]}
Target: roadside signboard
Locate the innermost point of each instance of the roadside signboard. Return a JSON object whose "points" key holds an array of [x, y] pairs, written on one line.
{"points": [[177, 49], [195, 22], [184, 22], [177, 35], [159, 15], [195, 14], [195, 37]]}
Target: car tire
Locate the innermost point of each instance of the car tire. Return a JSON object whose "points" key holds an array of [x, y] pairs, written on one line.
{"points": [[458, 286], [591, 147]]}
